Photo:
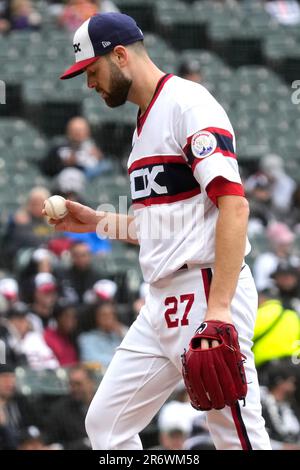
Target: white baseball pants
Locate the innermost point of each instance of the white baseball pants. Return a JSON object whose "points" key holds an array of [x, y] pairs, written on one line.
{"points": [[147, 367]]}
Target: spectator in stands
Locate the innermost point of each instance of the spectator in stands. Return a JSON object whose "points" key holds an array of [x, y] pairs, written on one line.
{"points": [[60, 245], [281, 240], [279, 409], [60, 338], [177, 414], [140, 301], [99, 345], [270, 190], [175, 420], [283, 186], [97, 246], [24, 16], [24, 346], [41, 260], [171, 437], [105, 289], [81, 276], [9, 289], [38, 354], [78, 150], [27, 227], [277, 326], [104, 6], [15, 411], [4, 16], [286, 12], [190, 70], [286, 279], [276, 333], [292, 218], [45, 296], [102, 290], [31, 438], [4, 306], [199, 437], [12, 330], [76, 12], [259, 192], [65, 423], [70, 183]]}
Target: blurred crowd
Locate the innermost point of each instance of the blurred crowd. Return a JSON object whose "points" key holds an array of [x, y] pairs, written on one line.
{"points": [[58, 312], [70, 14]]}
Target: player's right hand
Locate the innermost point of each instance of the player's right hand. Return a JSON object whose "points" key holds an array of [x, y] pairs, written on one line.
{"points": [[80, 219]]}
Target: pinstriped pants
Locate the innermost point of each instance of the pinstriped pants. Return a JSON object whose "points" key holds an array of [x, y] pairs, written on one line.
{"points": [[147, 367]]}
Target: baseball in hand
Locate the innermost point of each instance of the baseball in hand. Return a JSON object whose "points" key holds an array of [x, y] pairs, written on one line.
{"points": [[55, 207]]}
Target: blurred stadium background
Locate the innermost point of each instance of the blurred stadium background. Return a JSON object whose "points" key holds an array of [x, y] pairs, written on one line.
{"points": [[247, 53]]}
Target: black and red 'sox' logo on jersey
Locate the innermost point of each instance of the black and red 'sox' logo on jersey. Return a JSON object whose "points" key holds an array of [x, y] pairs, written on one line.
{"points": [[143, 182], [162, 183]]}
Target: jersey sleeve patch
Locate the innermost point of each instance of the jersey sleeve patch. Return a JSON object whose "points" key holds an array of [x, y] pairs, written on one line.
{"points": [[207, 142], [203, 144]]}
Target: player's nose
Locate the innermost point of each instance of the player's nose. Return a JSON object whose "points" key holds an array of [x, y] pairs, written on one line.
{"points": [[90, 83]]}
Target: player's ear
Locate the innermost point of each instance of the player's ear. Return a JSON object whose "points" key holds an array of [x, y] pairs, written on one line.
{"points": [[120, 54]]}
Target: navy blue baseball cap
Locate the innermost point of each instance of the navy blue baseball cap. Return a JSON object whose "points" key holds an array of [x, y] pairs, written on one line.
{"points": [[99, 35]]}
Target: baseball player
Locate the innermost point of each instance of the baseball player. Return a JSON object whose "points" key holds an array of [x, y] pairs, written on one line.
{"points": [[190, 220]]}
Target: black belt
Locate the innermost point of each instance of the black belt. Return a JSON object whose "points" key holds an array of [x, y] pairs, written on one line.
{"points": [[185, 266]]}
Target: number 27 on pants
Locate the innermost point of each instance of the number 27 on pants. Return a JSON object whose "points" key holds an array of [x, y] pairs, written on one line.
{"points": [[171, 314]]}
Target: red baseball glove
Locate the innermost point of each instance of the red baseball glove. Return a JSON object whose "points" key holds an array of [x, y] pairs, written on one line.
{"points": [[214, 377]]}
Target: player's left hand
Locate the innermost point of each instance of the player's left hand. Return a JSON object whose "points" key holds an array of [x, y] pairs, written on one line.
{"points": [[212, 368], [220, 315]]}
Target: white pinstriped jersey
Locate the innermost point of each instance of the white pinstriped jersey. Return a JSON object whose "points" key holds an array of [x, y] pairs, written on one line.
{"points": [[183, 158]]}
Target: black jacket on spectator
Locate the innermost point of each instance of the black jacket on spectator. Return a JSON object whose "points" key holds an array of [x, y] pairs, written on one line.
{"points": [[79, 280], [16, 236], [277, 417], [52, 164], [66, 424], [20, 414], [12, 356]]}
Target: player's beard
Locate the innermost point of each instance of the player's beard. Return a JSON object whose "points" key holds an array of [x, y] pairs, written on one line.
{"points": [[119, 87]]}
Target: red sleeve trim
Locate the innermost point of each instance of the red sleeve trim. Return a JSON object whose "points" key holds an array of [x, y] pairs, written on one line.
{"points": [[220, 186], [156, 160]]}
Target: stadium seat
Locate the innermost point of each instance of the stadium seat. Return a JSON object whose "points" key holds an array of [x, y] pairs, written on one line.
{"points": [[49, 382], [180, 26], [259, 244], [96, 111], [143, 12]]}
